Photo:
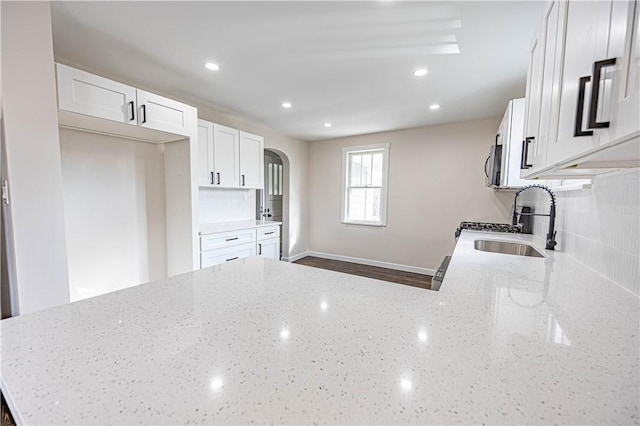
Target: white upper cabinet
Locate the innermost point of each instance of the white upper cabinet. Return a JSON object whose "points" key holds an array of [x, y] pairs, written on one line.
{"points": [[84, 93], [160, 113], [89, 94], [206, 174], [584, 119], [585, 31], [229, 158], [251, 161], [226, 155]]}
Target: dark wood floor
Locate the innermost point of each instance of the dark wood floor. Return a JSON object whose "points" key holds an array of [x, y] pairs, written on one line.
{"points": [[399, 277]]}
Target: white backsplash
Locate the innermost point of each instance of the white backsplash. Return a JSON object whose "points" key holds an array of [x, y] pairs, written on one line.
{"points": [[599, 227], [225, 205]]}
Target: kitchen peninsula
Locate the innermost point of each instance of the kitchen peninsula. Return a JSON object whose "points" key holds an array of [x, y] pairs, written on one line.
{"points": [[507, 339]]}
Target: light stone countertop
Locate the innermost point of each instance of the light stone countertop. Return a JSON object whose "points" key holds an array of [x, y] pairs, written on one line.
{"points": [[212, 228], [507, 340]]}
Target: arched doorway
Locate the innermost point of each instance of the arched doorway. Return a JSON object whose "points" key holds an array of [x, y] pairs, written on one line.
{"points": [[272, 203]]}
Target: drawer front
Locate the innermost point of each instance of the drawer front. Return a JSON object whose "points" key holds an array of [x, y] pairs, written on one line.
{"points": [[222, 255], [227, 239], [266, 232]]}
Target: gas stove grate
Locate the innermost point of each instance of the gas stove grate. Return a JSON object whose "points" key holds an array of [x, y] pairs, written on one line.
{"points": [[487, 227]]}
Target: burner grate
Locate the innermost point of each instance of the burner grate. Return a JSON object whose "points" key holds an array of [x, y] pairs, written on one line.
{"points": [[487, 227]]}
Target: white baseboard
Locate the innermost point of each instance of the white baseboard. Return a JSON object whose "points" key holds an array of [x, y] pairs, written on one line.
{"points": [[396, 266], [295, 257]]}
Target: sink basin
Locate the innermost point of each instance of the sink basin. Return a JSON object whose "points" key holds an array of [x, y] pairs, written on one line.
{"points": [[506, 247]]}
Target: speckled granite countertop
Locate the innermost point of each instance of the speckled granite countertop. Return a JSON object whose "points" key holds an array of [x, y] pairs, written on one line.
{"points": [[508, 339]]}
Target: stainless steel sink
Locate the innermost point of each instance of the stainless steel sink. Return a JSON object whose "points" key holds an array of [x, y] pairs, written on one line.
{"points": [[506, 247]]}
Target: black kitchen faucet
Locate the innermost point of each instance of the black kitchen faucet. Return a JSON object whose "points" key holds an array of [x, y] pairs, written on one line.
{"points": [[551, 235]]}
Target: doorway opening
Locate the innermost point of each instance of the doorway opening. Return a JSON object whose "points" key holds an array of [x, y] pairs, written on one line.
{"points": [[270, 201]]}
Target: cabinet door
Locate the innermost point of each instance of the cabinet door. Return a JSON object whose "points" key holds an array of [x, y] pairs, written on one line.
{"points": [[624, 45], [89, 94], [206, 175], [160, 113], [584, 27], [251, 160], [226, 156], [269, 248], [532, 105]]}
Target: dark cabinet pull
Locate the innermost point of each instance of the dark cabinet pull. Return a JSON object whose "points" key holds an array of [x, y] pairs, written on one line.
{"points": [[232, 239], [144, 113], [486, 163], [233, 258], [218, 175], [524, 158], [259, 248], [133, 111], [242, 180], [577, 131], [595, 93], [212, 178], [269, 233]]}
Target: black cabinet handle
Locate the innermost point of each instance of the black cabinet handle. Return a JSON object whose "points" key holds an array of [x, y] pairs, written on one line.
{"points": [[524, 158], [218, 175], [577, 131], [486, 163], [233, 258], [133, 111], [242, 180], [232, 239], [595, 93], [259, 248], [212, 178], [269, 233], [144, 113]]}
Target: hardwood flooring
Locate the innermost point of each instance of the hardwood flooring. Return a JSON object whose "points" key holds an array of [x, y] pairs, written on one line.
{"points": [[392, 275]]}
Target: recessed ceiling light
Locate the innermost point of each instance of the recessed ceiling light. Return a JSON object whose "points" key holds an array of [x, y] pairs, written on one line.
{"points": [[211, 66], [327, 124], [286, 105], [420, 72], [434, 106]]}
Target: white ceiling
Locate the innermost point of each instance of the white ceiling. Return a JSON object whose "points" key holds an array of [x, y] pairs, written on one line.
{"points": [[348, 63]]}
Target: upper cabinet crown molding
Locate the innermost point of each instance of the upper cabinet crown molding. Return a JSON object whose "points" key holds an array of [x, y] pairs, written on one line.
{"points": [[93, 103], [583, 96], [229, 158]]}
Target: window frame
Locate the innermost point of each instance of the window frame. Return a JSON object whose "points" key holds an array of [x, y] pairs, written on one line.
{"points": [[346, 151]]}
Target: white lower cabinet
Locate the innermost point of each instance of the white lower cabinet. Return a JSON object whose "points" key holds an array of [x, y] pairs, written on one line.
{"points": [[221, 247], [227, 254], [269, 242]]}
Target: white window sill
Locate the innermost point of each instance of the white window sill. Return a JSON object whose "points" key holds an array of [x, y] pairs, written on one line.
{"points": [[376, 224]]}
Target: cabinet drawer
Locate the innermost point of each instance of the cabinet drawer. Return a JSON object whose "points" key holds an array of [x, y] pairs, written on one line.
{"points": [[226, 254], [268, 232], [227, 239]]}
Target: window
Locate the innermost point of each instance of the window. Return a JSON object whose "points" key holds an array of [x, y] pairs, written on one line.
{"points": [[364, 184], [274, 184]]}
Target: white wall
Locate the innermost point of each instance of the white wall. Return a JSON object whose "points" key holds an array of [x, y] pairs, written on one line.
{"points": [[436, 180], [599, 227], [37, 231], [114, 201]]}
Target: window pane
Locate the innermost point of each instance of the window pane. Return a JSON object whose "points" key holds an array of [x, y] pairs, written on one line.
{"points": [[376, 169], [364, 204], [355, 167], [270, 183], [366, 169], [280, 179]]}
